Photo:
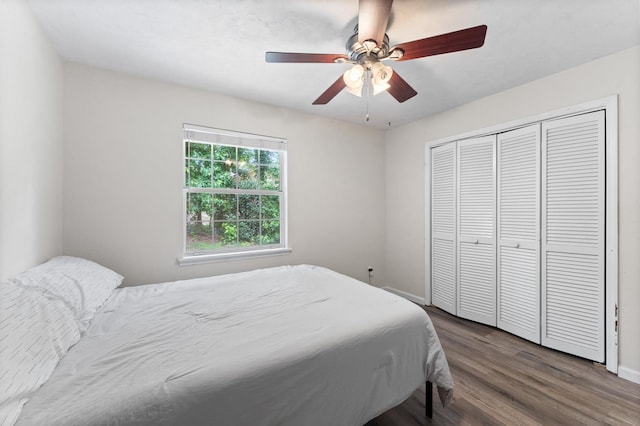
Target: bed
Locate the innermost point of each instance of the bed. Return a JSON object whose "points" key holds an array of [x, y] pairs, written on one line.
{"points": [[299, 345]]}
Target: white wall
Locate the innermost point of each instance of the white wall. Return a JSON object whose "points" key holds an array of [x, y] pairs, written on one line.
{"points": [[405, 146], [31, 78], [124, 175]]}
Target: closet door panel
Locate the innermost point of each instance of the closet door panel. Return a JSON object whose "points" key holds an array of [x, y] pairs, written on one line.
{"points": [[476, 293], [476, 289], [443, 276], [518, 232], [443, 227], [519, 292], [572, 304], [573, 235]]}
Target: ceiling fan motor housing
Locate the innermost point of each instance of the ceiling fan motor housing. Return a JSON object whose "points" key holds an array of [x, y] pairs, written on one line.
{"points": [[369, 50]]}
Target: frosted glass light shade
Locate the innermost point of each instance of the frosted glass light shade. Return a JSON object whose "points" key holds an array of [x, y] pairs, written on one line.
{"points": [[381, 73], [353, 77], [378, 88], [355, 90]]}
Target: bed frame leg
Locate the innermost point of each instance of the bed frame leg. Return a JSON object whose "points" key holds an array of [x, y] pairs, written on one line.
{"points": [[428, 399]]}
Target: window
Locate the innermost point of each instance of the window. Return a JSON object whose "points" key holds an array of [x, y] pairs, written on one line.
{"points": [[234, 194]]}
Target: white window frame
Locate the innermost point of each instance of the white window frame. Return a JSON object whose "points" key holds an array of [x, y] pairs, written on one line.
{"points": [[201, 134]]}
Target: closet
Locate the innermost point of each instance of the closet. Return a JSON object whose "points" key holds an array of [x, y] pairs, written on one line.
{"points": [[517, 231]]}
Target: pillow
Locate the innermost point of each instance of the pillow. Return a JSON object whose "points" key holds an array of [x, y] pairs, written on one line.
{"points": [[35, 333], [53, 284], [82, 284]]}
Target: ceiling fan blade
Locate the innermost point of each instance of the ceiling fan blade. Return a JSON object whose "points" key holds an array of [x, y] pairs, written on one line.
{"points": [[400, 89], [331, 92], [373, 16], [469, 38], [285, 57]]}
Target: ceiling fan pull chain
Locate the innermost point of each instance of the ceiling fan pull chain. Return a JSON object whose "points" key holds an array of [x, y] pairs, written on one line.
{"points": [[366, 92], [367, 100]]}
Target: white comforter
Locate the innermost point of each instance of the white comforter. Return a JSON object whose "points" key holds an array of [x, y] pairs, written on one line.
{"points": [[298, 345]]}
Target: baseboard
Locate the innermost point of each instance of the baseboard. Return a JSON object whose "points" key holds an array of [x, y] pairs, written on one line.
{"points": [[408, 296], [629, 374]]}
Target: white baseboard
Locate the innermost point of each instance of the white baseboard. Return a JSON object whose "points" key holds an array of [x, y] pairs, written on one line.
{"points": [[408, 296], [629, 374]]}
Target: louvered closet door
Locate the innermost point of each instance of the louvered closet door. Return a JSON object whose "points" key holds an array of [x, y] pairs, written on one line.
{"points": [[518, 229], [476, 290], [443, 231], [573, 235]]}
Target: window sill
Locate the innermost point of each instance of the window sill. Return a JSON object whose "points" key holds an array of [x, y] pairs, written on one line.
{"points": [[224, 257]]}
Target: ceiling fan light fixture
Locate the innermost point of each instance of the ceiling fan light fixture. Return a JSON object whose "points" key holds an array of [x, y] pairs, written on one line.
{"points": [[353, 77], [381, 74], [379, 88], [357, 91]]}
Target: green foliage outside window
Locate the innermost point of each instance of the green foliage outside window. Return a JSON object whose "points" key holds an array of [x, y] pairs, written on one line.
{"points": [[238, 203]]}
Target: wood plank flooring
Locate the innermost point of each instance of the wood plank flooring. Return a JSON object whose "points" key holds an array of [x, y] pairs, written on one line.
{"points": [[504, 380]]}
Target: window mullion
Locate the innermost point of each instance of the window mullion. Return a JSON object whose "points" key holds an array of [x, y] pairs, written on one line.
{"points": [[233, 191]]}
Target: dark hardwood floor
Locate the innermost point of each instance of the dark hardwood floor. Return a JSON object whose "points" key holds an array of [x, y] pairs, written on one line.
{"points": [[504, 380]]}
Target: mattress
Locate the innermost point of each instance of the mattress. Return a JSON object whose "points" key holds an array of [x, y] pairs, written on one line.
{"points": [[298, 345]]}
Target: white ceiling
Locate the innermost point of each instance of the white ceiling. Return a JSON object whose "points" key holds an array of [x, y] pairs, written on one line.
{"points": [[219, 45]]}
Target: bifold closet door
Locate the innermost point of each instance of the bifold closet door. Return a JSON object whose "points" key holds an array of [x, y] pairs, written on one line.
{"points": [[443, 227], [518, 232], [476, 289], [573, 206]]}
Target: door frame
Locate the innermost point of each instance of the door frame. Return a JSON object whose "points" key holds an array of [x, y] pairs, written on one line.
{"points": [[610, 106]]}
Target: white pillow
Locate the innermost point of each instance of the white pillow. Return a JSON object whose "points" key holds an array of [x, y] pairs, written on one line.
{"points": [[35, 333], [82, 284], [53, 284]]}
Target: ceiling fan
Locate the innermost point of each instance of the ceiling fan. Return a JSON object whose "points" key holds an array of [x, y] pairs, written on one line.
{"points": [[369, 45]]}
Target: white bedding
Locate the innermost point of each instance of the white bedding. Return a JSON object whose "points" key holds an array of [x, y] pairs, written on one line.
{"points": [[298, 345]]}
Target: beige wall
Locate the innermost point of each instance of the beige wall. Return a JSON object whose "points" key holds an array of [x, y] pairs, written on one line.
{"points": [[30, 142], [124, 174], [405, 147]]}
